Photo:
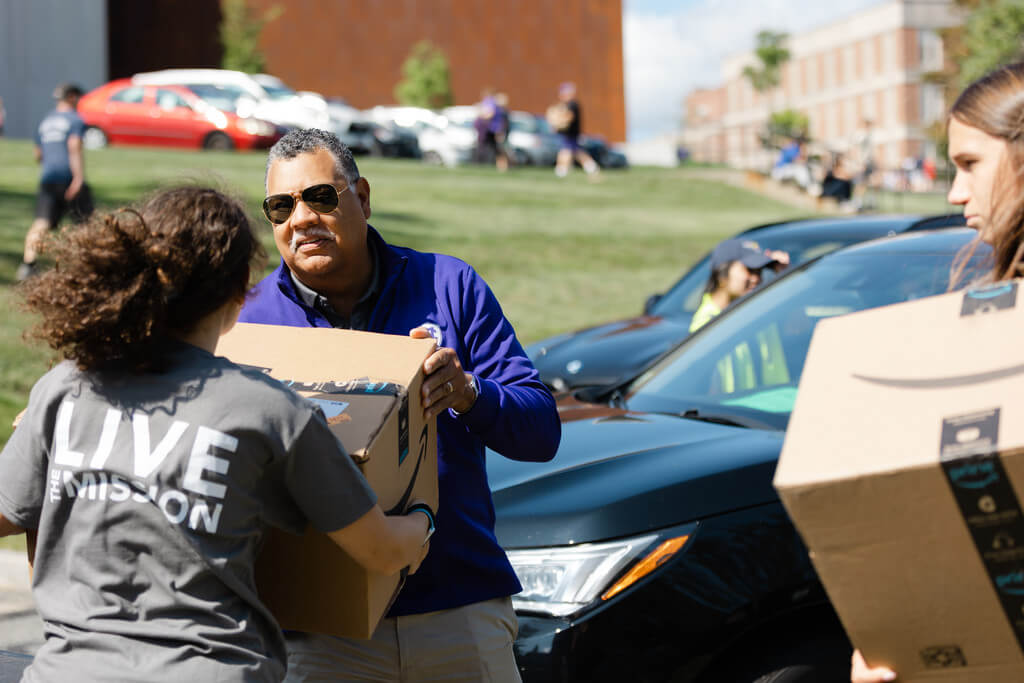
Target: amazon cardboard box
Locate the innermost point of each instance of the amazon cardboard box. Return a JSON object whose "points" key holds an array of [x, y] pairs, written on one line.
{"points": [[368, 386], [903, 469]]}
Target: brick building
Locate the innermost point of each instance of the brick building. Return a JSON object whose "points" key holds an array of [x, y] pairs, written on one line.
{"points": [[348, 48], [863, 72], [355, 49]]}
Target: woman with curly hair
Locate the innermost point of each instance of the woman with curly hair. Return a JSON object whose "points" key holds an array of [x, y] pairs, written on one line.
{"points": [[986, 145], [150, 467]]}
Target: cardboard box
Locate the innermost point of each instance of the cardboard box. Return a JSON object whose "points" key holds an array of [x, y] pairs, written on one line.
{"points": [[369, 388], [903, 469]]}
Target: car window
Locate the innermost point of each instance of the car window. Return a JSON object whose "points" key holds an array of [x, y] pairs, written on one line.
{"points": [[132, 95], [278, 92], [685, 296], [224, 98], [750, 360], [167, 99]]}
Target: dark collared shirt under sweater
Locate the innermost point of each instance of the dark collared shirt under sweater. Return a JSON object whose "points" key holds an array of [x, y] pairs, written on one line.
{"points": [[360, 318]]}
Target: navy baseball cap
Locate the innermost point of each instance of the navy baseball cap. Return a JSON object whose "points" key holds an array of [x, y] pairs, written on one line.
{"points": [[746, 252]]}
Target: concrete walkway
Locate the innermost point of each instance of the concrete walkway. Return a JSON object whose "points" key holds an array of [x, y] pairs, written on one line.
{"points": [[20, 627]]}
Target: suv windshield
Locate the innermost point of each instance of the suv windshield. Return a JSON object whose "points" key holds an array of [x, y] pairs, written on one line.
{"points": [[748, 363], [684, 297]]}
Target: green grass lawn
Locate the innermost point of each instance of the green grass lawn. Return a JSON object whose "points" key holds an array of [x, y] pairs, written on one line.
{"points": [[559, 254]]}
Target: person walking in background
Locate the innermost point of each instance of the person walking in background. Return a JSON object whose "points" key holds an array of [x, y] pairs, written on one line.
{"points": [[986, 145], [62, 186], [485, 152], [863, 142], [453, 621], [3, 116], [151, 468], [567, 119], [499, 127]]}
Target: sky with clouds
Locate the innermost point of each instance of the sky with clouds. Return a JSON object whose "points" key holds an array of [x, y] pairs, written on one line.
{"points": [[671, 47]]}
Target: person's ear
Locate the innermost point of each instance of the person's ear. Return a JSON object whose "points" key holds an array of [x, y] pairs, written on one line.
{"points": [[363, 192]]}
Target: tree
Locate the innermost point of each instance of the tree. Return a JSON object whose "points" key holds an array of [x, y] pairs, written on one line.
{"points": [[993, 36], [772, 53], [785, 125], [426, 78], [240, 31], [989, 37]]}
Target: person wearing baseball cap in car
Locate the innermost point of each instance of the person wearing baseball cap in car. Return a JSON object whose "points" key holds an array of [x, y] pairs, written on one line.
{"points": [[736, 267]]}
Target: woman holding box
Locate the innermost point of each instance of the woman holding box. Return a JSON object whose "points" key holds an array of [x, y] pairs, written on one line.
{"points": [[986, 144], [151, 467]]}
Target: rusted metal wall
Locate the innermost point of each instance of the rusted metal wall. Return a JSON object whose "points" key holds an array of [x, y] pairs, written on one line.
{"points": [[161, 34], [525, 48]]}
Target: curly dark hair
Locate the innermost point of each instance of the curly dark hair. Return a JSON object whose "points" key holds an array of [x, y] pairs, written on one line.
{"points": [[125, 283]]}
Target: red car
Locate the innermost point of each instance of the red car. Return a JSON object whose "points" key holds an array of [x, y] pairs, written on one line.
{"points": [[166, 115]]}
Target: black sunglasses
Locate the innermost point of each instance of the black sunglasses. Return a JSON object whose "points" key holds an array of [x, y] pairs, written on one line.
{"points": [[321, 198]]}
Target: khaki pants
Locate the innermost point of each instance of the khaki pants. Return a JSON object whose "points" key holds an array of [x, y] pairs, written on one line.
{"points": [[470, 644]]}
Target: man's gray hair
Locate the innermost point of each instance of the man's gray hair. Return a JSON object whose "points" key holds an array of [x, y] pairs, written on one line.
{"points": [[310, 140]]}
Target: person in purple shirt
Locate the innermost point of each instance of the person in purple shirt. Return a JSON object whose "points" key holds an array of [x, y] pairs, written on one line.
{"points": [[62, 187], [454, 618]]}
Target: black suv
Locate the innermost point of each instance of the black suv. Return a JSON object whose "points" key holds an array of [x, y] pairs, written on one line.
{"points": [[653, 547]]}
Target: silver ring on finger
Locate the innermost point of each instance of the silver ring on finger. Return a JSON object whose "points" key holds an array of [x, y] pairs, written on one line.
{"points": [[448, 388]]}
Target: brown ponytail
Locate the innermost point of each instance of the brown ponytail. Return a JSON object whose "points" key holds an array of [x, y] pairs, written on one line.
{"points": [[124, 283]]}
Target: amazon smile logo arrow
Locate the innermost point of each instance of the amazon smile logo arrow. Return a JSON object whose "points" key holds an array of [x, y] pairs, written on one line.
{"points": [[943, 382]]}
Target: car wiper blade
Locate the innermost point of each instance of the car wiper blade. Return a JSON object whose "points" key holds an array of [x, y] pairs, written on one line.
{"points": [[717, 418]]}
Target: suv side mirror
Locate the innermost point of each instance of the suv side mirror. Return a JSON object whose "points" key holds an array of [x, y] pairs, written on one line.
{"points": [[651, 301]]}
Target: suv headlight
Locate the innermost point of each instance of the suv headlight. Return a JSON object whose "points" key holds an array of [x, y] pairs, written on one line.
{"points": [[563, 580]]}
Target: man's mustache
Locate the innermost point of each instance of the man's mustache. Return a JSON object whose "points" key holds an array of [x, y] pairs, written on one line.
{"points": [[308, 235]]}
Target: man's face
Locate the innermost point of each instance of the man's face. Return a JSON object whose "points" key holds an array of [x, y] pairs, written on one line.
{"points": [[318, 246]]}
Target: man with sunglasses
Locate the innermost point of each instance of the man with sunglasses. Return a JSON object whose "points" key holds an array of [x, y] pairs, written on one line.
{"points": [[453, 620]]}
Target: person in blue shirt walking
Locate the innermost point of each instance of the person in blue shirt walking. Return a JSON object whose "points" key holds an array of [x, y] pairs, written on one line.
{"points": [[62, 187], [453, 620]]}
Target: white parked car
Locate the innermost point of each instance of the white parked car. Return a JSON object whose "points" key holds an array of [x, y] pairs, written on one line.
{"points": [[266, 97], [451, 142], [410, 118], [443, 141], [531, 140]]}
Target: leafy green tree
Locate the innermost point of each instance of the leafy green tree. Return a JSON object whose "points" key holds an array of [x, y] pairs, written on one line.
{"points": [[990, 36], [426, 78], [240, 30], [785, 125], [772, 53], [993, 36]]}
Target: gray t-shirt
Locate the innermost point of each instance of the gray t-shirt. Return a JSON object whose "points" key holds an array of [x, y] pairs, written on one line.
{"points": [[151, 494], [52, 138]]}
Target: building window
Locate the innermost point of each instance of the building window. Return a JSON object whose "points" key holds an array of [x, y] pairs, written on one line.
{"points": [[868, 110], [933, 105], [867, 56], [929, 51]]}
